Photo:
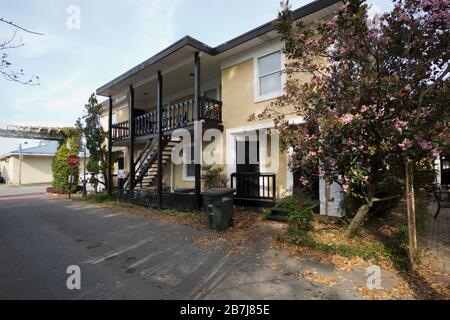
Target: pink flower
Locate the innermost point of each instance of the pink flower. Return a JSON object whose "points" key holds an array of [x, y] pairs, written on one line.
{"points": [[312, 154], [400, 125], [408, 87], [347, 118], [436, 152], [321, 172], [406, 144], [425, 145], [345, 187], [304, 181]]}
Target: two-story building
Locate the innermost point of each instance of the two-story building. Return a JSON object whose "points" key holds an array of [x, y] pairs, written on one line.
{"points": [[205, 90]]}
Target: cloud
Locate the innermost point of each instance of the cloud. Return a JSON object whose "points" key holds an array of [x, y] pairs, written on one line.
{"points": [[53, 89], [98, 52], [73, 102], [38, 123]]}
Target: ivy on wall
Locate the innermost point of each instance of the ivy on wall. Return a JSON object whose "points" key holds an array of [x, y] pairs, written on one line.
{"points": [[70, 145]]}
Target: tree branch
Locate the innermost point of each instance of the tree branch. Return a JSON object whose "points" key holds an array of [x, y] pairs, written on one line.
{"points": [[430, 87], [21, 28]]}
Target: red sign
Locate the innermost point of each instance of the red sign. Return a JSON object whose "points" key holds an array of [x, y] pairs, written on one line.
{"points": [[73, 161]]}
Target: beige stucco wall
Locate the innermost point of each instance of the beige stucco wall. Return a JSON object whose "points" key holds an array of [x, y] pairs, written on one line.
{"points": [[7, 169], [239, 105], [35, 169]]}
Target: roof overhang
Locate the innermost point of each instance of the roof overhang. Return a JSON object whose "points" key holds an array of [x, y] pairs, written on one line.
{"points": [[184, 49], [26, 154]]}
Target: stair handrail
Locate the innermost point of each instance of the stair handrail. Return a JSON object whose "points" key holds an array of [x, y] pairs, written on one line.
{"points": [[127, 178], [150, 162]]}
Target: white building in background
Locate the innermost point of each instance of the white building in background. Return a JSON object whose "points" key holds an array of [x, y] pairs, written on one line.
{"points": [[35, 167]]}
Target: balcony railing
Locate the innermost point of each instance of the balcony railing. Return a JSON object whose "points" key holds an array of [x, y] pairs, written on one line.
{"points": [[258, 186], [174, 117], [120, 131]]}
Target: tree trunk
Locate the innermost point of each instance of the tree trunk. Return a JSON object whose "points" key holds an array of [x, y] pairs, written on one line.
{"points": [[358, 220], [411, 210]]}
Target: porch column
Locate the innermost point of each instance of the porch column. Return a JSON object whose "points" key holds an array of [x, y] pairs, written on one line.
{"points": [[131, 133], [159, 104], [197, 132], [110, 182]]}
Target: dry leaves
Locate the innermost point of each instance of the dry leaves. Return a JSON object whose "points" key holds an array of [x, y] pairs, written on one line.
{"points": [[245, 224], [315, 277]]}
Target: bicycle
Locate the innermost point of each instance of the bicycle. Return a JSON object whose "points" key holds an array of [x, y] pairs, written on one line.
{"points": [[441, 198]]}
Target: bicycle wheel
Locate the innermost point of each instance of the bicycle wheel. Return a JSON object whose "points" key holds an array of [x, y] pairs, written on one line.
{"points": [[436, 205]]}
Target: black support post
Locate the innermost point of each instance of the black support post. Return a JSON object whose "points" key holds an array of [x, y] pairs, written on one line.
{"points": [[110, 142], [132, 132], [159, 104], [197, 130]]}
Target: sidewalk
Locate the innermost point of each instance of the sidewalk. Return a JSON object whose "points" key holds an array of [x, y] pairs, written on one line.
{"points": [[437, 241]]}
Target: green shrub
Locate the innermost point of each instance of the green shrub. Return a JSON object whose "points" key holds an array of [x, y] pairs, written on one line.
{"points": [[213, 177], [266, 213], [300, 215], [300, 219], [61, 170], [287, 202]]}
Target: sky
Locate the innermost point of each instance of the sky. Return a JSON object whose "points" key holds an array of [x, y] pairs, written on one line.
{"points": [[113, 37]]}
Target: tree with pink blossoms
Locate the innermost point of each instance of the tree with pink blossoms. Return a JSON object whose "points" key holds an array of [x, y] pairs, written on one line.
{"points": [[377, 98]]}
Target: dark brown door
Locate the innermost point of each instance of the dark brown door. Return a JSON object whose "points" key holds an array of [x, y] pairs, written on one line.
{"points": [[247, 167], [245, 162]]}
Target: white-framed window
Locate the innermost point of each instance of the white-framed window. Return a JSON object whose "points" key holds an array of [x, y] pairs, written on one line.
{"points": [[268, 76], [114, 117], [189, 165]]}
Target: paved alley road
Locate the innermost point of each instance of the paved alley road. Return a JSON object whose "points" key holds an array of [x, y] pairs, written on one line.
{"points": [[123, 256]]}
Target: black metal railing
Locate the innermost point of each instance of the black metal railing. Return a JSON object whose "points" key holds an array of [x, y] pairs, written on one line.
{"points": [[146, 124], [176, 116], [120, 131], [142, 163], [259, 186]]}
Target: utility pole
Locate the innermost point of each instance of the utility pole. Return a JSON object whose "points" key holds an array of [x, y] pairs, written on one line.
{"points": [[20, 162], [84, 170]]}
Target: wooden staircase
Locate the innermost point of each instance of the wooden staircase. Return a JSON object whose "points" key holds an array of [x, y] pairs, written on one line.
{"points": [[147, 177], [146, 166]]}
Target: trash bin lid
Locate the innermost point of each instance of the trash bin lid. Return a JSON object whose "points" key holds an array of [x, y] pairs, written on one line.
{"points": [[218, 192]]}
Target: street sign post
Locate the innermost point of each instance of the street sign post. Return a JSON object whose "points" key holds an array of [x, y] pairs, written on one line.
{"points": [[73, 161]]}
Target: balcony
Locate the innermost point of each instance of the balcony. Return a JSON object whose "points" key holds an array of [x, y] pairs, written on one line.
{"points": [[254, 189], [174, 117]]}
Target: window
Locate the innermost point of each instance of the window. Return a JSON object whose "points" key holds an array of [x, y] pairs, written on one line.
{"points": [[189, 167], [114, 118], [269, 82]]}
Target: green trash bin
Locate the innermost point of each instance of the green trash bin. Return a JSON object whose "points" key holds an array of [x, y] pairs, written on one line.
{"points": [[219, 203]]}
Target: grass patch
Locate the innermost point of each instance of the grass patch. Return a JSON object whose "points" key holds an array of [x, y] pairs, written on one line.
{"points": [[396, 243], [383, 240], [97, 198], [177, 214], [103, 198], [367, 251]]}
